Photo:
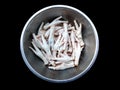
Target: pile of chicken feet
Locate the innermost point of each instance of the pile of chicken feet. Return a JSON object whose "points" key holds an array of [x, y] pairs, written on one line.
{"points": [[58, 43]]}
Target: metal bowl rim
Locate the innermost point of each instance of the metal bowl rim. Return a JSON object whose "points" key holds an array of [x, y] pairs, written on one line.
{"points": [[65, 80]]}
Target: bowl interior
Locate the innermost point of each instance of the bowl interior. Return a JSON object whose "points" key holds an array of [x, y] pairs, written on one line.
{"points": [[36, 65]]}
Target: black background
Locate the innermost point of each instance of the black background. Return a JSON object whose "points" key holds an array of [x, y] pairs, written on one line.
{"points": [[102, 74]]}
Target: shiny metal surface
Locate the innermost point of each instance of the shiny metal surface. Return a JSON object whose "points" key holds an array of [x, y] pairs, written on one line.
{"points": [[89, 53]]}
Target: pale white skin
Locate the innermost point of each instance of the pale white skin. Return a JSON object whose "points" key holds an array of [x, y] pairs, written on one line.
{"points": [[58, 44]]}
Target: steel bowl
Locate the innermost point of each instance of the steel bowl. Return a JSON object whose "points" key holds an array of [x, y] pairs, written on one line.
{"points": [[89, 53]]}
